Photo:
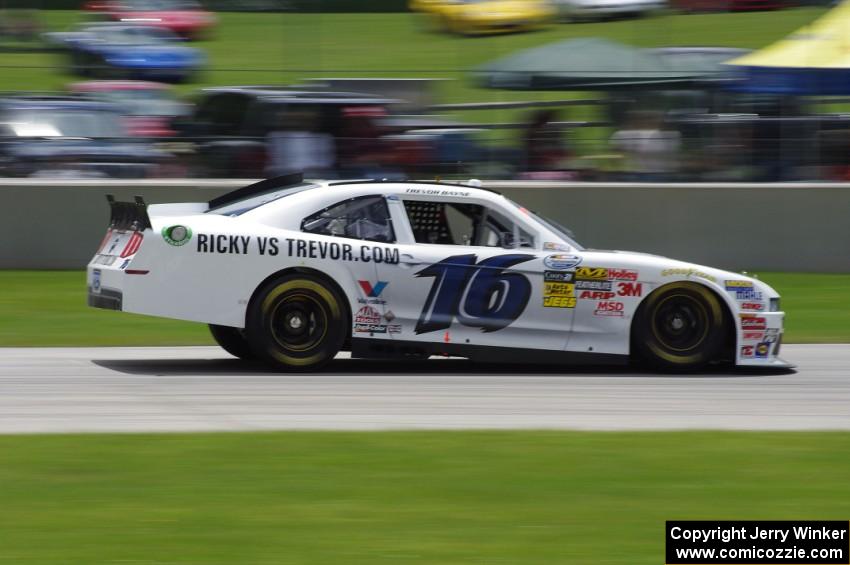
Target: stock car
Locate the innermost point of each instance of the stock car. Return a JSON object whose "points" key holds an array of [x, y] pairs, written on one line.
{"points": [[479, 17], [292, 272]]}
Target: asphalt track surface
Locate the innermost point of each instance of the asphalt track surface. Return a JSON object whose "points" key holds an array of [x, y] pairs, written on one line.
{"points": [[204, 389]]}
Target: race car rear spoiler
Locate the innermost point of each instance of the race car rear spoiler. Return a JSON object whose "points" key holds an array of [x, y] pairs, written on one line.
{"points": [[128, 215]]}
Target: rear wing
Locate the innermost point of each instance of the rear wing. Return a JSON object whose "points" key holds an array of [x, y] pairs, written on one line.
{"points": [[128, 215]]}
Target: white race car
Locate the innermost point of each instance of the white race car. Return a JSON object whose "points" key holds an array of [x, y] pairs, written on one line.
{"points": [[292, 272]]}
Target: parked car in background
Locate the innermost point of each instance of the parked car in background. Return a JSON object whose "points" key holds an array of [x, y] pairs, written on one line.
{"points": [[478, 17], [148, 108], [130, 51], [186, 18], [70, 137], [230, 125], [581, 10]]}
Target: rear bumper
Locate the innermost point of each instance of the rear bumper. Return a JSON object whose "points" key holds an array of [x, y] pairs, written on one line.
{"points": [[107, 299]]}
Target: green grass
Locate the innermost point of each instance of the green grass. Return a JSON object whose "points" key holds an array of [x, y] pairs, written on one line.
{"points": [[48, 308], [416, 497]]}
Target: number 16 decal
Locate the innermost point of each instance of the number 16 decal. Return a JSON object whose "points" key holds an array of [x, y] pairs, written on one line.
{"points": [[479, 295]]}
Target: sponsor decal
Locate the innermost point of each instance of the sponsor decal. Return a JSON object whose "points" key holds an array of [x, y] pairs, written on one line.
{"points": [[752, 322], [622, 275], [124, 264], [552, 246], [747, 294], [755, 306], [177, 235], [687, 272], [559, 302], [592, 274], [762, 350], [367, 315], [559, 295], [609, 308], [629, 289], [486, 294], [558, 276], [107, 260], [752, 336], [596, 295], [747, 351], [437, 191], [372, 292], [593, 285], [95, 281], [732, 285], [771, 335], [561, 261], [299, 248]]}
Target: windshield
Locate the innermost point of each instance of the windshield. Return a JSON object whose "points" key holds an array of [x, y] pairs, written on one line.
{"points": [[66, 123], [553, 226], [247, 204]]}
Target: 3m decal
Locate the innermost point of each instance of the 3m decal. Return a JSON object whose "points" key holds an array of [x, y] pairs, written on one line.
{"points": [[592, 274], [629, 289], [176, 235], [480, 295], [561, 261]]}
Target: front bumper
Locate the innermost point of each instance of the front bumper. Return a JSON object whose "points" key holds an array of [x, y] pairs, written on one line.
{"points": [[760, 340]]}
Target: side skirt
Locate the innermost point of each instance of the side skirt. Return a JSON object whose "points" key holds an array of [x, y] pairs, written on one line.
{"points": [[366, 348]]}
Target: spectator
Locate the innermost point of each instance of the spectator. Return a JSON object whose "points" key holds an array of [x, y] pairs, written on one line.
{"points": [[649, 152], [297, 146], [543, 145]]}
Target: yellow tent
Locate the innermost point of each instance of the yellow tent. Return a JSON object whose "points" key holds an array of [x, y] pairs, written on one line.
{"points": [[813, 60]]}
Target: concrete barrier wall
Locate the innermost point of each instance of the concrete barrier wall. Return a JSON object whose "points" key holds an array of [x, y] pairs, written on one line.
{"points": [[753, 227]]}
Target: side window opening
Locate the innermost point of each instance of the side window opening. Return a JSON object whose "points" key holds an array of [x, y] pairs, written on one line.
{"points": [[363, 217], [460, 223]]}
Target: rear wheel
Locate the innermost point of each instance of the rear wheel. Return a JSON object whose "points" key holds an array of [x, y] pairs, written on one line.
{"points": [[681, 327], [297, 322], [232, 340]]}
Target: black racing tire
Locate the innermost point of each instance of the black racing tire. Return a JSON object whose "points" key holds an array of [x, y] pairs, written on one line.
{"points": [[233, 341], [297, 322], [680, 327]]}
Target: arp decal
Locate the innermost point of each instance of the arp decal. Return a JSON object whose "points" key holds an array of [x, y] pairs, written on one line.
{"points": [[480, 295], [176, 235], [596, 295], [561, 261]]}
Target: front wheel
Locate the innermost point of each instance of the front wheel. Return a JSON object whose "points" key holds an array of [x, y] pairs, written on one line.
{"points": [[297, 322], [681, 327]]}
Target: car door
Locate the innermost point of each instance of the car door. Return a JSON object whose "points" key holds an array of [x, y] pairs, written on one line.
{"points": [[470, 274]]}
